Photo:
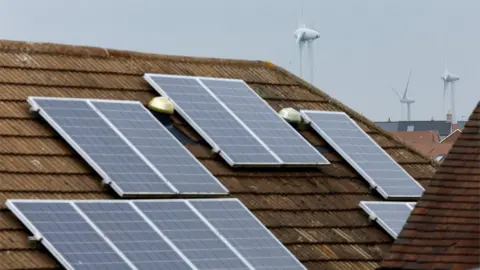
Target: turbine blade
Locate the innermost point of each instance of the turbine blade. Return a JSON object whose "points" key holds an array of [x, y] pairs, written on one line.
{"points": [[398, 95], [406, 87], [300, 37]]}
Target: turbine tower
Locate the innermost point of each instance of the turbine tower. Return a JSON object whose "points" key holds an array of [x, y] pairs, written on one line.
{"points": [[450, 78], [405, 100]]}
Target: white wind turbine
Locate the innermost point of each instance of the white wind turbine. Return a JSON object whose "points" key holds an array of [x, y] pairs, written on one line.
{"points": [[449, 78], [405, 100], [303, 35]]}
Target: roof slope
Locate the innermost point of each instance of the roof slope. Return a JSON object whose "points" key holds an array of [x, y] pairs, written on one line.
{"points": [[314, 212], [443, 231], [427, 142]]}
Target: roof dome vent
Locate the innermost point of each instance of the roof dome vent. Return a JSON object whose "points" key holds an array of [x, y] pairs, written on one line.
{"points": [[161, 105], [291, 115]]}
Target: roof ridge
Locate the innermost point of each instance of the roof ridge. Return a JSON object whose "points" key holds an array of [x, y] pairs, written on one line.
{"points": [[99, 52], [13, 46]]}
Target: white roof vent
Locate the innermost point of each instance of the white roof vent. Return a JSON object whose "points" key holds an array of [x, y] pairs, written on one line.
{"points": [[291, 115], [161, 105]]}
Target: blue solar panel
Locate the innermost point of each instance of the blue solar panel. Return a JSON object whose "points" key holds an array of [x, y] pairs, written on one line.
{"points": [[237, 145], [246, 234], [153, 234], [127, 146], [392, 216], [67, 235], [191, 235], [363, 154], [259, 117], [104, 149], [178, 166], [132, 235]]}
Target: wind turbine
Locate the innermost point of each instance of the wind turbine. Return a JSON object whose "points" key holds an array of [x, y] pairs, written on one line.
{"points": [[405, 100], [449, 78], [304, 34]]}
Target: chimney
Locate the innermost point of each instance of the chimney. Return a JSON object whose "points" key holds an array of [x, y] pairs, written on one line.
{"points": [[449, 117], [454, 127]]}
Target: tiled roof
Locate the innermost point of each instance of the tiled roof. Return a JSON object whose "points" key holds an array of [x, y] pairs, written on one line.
{"points": [[314, 212], [443, 231], [418, 137], [427, 142]]}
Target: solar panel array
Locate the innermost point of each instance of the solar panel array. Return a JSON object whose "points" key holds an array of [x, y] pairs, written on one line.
{"points": [[153, 234], [127, 146], [235, 121], [391, 216], [363, 154]]}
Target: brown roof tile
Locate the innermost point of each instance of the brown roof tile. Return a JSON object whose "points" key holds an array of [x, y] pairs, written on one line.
{"points": [[427, 142], [314, 212], [443, 231]]}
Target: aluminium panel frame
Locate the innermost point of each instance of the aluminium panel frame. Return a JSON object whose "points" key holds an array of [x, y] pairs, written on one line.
{"points": [[365, 175]]}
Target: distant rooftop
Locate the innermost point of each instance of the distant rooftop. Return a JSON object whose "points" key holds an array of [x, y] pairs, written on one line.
{"points": [[443, 127]]}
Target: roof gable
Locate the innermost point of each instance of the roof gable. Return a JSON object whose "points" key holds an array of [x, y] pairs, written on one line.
{"points": [[443, 231], [314, 212]]}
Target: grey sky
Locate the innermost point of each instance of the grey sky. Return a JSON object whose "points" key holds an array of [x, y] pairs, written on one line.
{"points": [[365, 49]]}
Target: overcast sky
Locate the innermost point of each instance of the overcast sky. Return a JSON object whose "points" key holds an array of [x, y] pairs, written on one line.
{"points": [[366, 47]]}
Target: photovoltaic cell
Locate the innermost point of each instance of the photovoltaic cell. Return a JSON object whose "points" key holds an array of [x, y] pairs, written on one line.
{"points": [[127, 146], [213, 234], [191, 235], [68, 236], [132, 235], [236, 144], [362, 153], [99, 145], [259, 117], [246, 234], [159, 146], [392, 216]]}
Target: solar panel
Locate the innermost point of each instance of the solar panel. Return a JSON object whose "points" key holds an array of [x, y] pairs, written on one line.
{"points": [[67, 235], [132, 235], [125, 144], [153, 234], [169, 157], [191, 235], [259, 117], [104, 149], [391, 216], [226, 134], [246, 234], [363, 154]]}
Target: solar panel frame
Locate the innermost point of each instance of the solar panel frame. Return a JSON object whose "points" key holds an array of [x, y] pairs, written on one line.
{"points": [[353, 163], [187, 202], [216, 148], [37, 235], [202, 218], [411, 205], [105, 177], [147, 160], [268, 108], [142, 215], [191, 201], [365, 205]]}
